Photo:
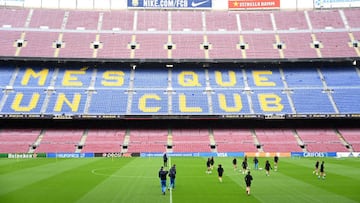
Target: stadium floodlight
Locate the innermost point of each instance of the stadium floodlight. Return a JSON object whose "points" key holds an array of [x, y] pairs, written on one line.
{"points": [[354, 63], [169, 65]]}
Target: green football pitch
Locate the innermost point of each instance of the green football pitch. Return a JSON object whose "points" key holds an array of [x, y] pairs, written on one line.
{"points": [[136, 180]]}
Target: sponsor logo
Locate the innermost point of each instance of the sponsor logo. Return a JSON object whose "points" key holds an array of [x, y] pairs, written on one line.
{"points": [[222, 154], [135, 2], [112, 154], [314, 154], [196, 4], [21, 156]]}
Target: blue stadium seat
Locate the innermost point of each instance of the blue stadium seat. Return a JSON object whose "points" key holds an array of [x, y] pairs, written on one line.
{"points": [[79, 78], [347, 100], [341, 76], [74, 108], [34, 77], [192, 78], [108, 102], [230, 107], [269, 77], [5, 76], [118, 78], [312, 101], [24, 105], [225, 81], [192, 93], [273, 102], [195, 102], [150, 102], [302, 77], [151, 78]]}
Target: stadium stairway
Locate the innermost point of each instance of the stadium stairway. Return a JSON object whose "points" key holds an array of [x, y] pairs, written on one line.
{"points": [[256, 141], [169, 141], [37, 141], [82, 141], [126, 142], [212, 140], [299, 141], [343, 141]]}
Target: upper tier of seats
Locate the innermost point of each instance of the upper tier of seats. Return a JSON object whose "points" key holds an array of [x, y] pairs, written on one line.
{"points": [[286, 89], [159, 34]]}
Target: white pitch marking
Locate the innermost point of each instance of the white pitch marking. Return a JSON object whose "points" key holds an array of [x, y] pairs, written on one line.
{"points": [[170, 188], [98, 172]]}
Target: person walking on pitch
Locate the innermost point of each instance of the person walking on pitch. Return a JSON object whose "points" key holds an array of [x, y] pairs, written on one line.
{"points": [[248, 178], [162, 175]]}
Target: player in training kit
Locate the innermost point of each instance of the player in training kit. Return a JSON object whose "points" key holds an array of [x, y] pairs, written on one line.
{"points": [[208, 166], [248, 178], [316, 170], [212, 162], [244, 166], [322, 171], [165, 159], [276, 161], [220, 171], [267, 167], [234, 162]]}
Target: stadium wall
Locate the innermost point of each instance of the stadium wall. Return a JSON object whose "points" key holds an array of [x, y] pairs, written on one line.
{"points": [[123, 4], [189, 154]]}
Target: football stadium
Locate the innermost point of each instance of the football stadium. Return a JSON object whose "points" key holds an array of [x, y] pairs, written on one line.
{"points": [[94, 94]]}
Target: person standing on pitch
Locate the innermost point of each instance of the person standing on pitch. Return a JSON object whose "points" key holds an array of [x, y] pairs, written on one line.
{"points": [[220, 171], [208, 166], [244, 166], [172, 174], [212, 162], [316, 170], [165, 159], [256, 163], [276, 161], [267, 167], [234, 162], [162, 175], [248, 178], [322, 171]]}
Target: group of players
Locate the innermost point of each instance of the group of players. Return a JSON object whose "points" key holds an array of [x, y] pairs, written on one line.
{"points": [[319, 171], [245, 169], [164, 173]]}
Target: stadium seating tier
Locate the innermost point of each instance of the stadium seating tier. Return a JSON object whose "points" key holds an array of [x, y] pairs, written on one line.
{"points": [[104, 34]]}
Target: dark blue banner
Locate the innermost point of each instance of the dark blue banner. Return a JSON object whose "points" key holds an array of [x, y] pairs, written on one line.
{"points": [[70, 155], [175, 4], [181, 154], [194, 154], [313, 154]]}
